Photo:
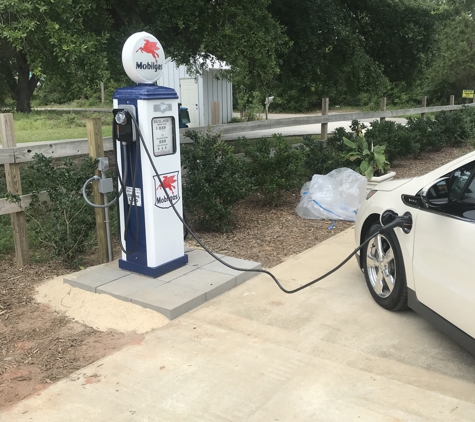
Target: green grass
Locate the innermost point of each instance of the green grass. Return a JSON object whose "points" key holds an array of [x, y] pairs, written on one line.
{"points": [[56, 125]]}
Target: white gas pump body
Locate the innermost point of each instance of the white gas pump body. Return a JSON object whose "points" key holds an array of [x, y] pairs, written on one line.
{"points": [[150, 231]]}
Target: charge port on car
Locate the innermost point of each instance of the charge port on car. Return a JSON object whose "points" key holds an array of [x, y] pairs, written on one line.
{"points": [[407, 227]]}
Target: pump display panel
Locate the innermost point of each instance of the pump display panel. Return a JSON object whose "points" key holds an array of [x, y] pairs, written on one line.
{"points": [[163, 135]]}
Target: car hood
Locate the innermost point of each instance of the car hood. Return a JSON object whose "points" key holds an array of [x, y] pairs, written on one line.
{"points": [[390, 185]]}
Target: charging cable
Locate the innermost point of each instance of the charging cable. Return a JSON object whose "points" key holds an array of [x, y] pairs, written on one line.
{"points": [[397, 222]]}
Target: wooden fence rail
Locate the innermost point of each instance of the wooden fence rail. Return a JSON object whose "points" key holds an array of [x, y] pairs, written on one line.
{"points": [[12, 155]]}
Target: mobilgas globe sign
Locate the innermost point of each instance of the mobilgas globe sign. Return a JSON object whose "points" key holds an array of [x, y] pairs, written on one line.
{"points": [[143, 58]]}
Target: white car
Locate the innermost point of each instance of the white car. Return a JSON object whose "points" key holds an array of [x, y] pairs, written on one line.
{"points": [[427, 264]]}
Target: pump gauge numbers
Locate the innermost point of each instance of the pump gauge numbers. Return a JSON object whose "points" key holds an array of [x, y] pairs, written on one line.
{"points": [[163, 135]]}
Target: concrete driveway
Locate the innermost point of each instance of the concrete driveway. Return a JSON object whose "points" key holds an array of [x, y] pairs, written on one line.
{"points": [[328, 353]]}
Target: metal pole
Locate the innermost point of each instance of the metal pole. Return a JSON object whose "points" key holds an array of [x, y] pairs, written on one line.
{"points": [[108, 229]]}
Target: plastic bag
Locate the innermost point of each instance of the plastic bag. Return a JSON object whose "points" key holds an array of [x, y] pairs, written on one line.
{"points": [[336, 196]]}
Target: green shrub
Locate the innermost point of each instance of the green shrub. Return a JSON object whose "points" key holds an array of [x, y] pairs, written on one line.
{"points": [[395, 136], [425, 135], [456, 127], [6, 234], [335, 139], [274, 166], [66, 225], [213, 181], [320, 159]]}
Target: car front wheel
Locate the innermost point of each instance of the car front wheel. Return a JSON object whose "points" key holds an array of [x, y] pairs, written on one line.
{"points": [[384, 271]]}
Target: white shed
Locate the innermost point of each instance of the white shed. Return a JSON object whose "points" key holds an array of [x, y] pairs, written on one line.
{"points": [[208, 97]]}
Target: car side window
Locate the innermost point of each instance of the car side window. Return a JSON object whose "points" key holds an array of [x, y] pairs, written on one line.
{"points": [[469, 194], [439, 193], [462, 192], [458, 179], [454, 194]]}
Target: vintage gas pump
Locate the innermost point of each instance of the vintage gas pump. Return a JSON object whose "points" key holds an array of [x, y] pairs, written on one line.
{"points": [[151, 233]]}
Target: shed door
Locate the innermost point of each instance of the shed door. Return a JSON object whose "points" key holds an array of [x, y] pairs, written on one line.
{"points": [[189, 99]]}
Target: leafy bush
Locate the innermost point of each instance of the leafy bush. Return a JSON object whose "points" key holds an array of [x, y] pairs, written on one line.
{"points": [[213, 181], [395, 136], [6, 234], [456, 127], [274, 165], [66, 225], [320, 159], [425, 135], [335, 139], [366, 161]]}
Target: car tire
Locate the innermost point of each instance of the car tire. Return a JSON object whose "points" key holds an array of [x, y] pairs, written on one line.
{"points": [[383, 267]]}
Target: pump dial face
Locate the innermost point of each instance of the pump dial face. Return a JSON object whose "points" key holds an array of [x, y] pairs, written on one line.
{"points": [[163, 134]]}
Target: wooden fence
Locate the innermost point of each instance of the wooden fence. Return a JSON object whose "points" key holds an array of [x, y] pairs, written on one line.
{"points": [[12, 155]]}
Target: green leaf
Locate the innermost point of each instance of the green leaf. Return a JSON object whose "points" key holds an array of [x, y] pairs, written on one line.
{"points": [[364, 167], [349, 143], [369, 172]]}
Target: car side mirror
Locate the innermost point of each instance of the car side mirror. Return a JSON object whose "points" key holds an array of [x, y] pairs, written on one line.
{"points": [[436, 194]]}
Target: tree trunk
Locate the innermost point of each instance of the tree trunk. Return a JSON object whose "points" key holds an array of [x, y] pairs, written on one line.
{"points": [[26, 84]]}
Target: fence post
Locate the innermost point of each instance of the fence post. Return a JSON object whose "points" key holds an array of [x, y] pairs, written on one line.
{"points": [[96, 150], [12, 174], [383, 108], [452, 101], [424, 104], [324, 126]]}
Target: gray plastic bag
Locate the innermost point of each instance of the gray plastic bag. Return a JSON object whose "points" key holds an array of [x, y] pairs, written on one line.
{"points": [[336, 196]]}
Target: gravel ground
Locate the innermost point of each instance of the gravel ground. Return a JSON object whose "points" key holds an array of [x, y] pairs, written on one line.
{"points": [[39, 346]]}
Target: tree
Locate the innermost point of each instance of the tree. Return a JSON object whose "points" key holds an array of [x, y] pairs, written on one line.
{"points": [[343, 48], [241, 33], [44, 38], [79, 42], [453, 67]]}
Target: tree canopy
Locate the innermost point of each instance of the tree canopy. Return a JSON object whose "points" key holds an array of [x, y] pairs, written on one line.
{"points": [[343, 48], [297, 50], [47, 38]]}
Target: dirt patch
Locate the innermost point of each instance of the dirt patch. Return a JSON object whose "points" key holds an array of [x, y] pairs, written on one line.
{"points": [[39, 346]]}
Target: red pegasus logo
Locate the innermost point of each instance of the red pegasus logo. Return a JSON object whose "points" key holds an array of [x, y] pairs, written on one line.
{"points": [[168, 182], [150, 47]]}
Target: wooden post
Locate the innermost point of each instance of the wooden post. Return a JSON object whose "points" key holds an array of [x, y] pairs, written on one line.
{"points": [[452, 100], [383, 108], [215, 113], [12, 174], [96, 150], [102, 92], [324, 126], [424, 104]]}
